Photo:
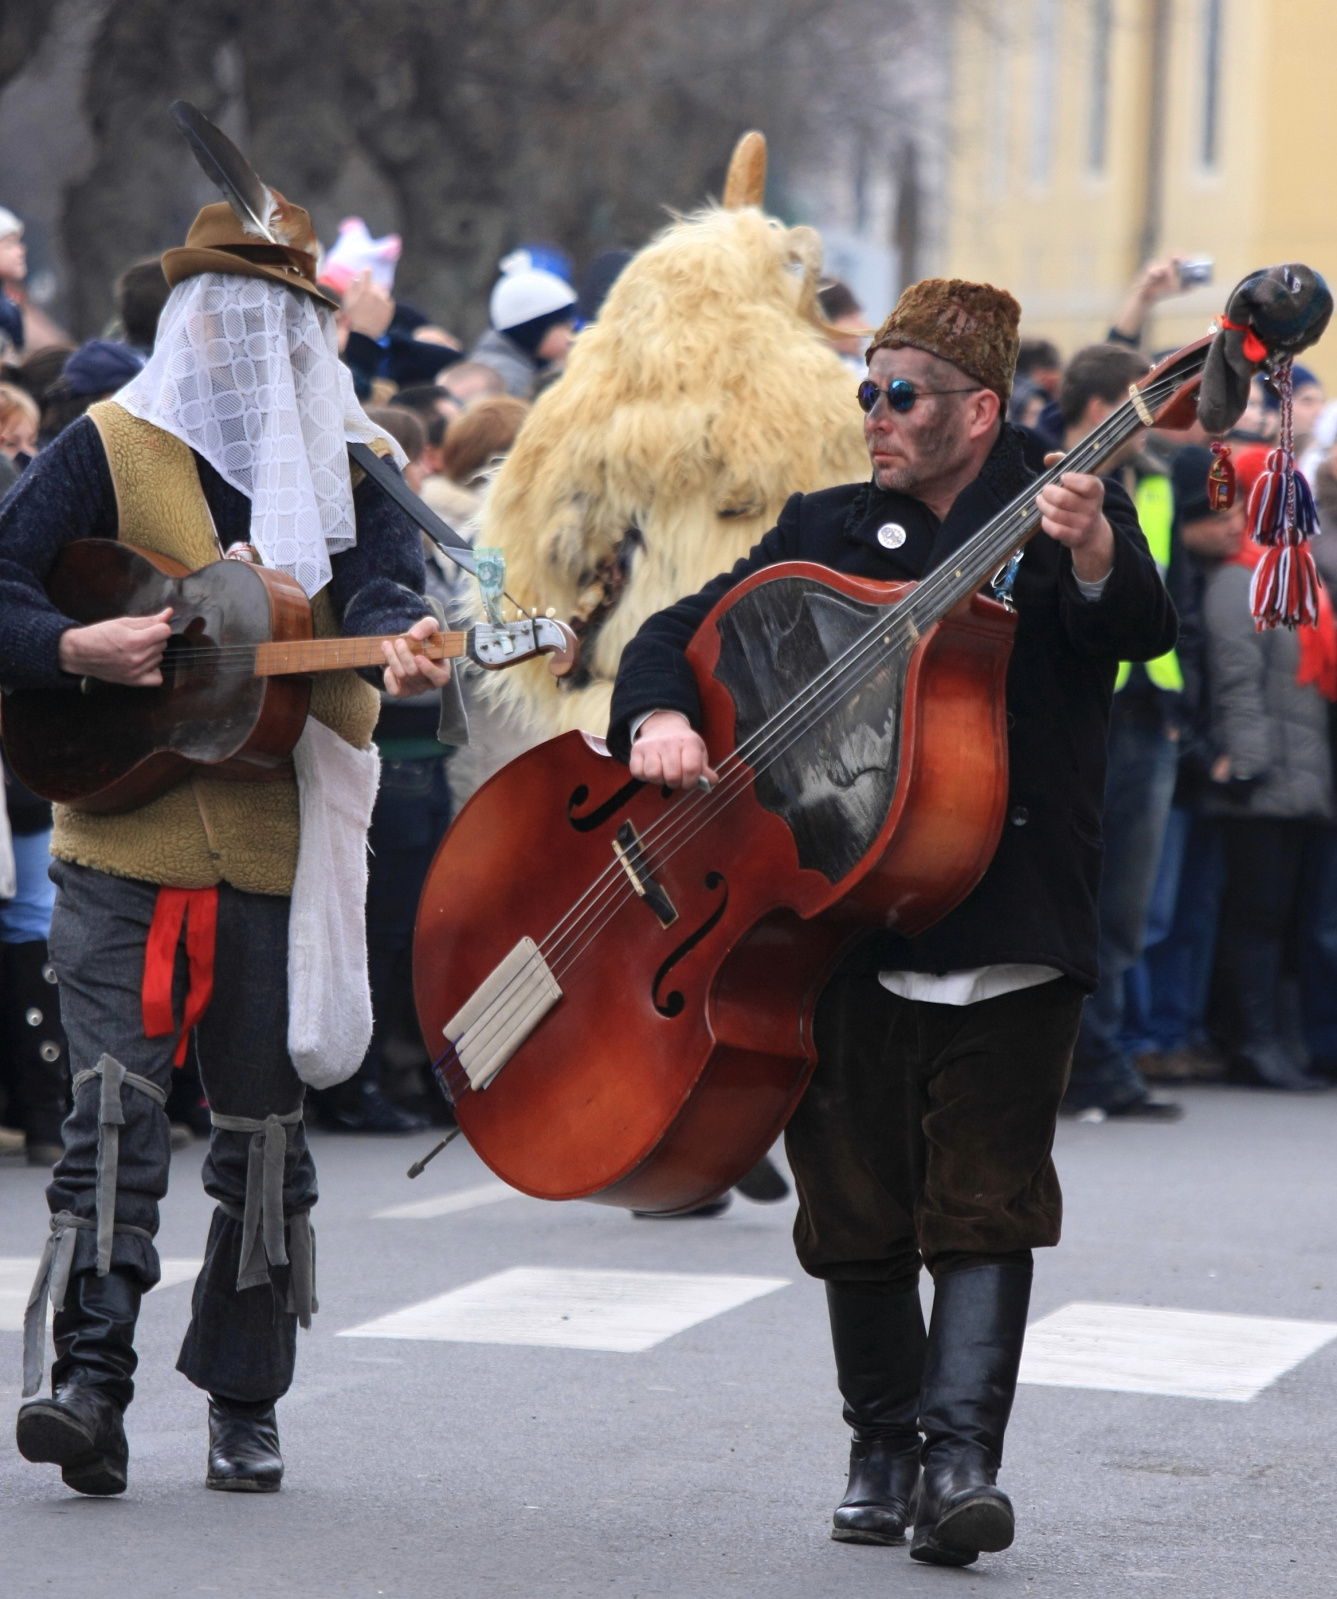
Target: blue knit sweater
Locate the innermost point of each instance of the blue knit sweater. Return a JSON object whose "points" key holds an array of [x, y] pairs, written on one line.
{"points": [[67, 494]]}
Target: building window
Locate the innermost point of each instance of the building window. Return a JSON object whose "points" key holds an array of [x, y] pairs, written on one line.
{"points": [[1211, 81], [1042, 94], [1098, 128]]}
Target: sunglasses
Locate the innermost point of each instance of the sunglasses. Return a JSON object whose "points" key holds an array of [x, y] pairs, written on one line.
{"points": [[900, 394]]}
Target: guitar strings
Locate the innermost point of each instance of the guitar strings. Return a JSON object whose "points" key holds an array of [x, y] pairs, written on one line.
{"points": [[830, 686]]}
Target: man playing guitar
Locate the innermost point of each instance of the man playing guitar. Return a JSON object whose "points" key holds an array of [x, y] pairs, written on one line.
{"points": [[171, 919]]}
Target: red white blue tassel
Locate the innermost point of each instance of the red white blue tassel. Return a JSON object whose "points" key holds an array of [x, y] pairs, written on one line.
{"points": [[1284, 592]]}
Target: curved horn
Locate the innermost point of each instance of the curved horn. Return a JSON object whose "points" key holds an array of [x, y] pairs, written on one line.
{"points": [[745, 183], [805, 250]]}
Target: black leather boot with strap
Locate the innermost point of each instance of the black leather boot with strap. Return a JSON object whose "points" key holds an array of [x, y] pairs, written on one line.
{"points": [[80, 1427], [878, 1340], [970, 1376]]}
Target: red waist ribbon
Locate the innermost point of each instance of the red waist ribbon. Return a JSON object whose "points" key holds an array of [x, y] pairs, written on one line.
{"points": [[198, 909]]}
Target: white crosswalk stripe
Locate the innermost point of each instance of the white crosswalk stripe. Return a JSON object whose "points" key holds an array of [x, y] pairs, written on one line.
{"points": [[448, 1204], [623, 1311], [1188, 1354], [16, 1280]]}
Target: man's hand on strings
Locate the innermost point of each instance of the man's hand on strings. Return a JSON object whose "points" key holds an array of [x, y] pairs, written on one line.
{"points": [[1072, 511], [407, 673], [668, 751], [126, 649]]}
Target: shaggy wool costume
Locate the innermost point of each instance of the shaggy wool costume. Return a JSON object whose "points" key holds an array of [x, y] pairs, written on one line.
{"points": [[701, 398]]}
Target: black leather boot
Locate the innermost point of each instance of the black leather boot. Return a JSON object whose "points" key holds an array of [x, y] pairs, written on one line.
{"points": [[878, 1341], [80, 1428], [243, 1446], [970, 1377]]}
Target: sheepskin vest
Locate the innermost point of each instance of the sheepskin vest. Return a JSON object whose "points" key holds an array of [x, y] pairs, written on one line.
{"points": [[205, 830]]}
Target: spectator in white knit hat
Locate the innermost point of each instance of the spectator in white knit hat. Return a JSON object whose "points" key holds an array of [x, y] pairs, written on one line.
{"points": [[13, 270], [532, 314]]}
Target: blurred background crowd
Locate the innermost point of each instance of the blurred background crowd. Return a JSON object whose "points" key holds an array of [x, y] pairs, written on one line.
{"points": [[999, 141]]}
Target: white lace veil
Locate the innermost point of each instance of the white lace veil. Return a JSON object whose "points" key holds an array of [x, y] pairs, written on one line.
{"points": [[248, 373]]}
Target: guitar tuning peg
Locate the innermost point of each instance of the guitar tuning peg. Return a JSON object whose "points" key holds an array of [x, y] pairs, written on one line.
{"points": [[550, 613]]}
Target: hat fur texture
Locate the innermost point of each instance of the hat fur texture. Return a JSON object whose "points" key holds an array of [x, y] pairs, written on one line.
{"points": [[697, 403], [972, 325]]}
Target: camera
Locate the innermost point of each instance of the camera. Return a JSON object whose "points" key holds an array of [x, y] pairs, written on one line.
{"points": [[1194, 269]]}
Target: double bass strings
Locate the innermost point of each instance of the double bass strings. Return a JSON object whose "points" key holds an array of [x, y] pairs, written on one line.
{"points": [[931, 598]]}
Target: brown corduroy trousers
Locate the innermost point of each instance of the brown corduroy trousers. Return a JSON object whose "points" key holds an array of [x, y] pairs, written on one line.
{"points": [[926, 1131]]}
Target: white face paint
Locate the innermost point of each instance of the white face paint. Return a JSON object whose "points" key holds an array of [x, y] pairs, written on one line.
{"points": [[891, 535]]}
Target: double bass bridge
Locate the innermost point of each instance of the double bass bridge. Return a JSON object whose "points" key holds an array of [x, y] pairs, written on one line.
{"points": [[631, 857]]}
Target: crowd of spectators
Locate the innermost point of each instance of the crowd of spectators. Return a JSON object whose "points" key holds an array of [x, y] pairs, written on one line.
{"points": [[1219, 900]]}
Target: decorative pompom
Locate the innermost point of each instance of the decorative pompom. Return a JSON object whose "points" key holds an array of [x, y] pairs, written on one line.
{"points": [[1284, 591]]}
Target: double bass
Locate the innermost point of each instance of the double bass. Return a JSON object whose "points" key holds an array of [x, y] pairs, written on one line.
{"points": [[616, 980]]}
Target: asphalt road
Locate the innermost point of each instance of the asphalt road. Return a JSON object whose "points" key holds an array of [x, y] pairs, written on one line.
{"points": [[707, 1465]]}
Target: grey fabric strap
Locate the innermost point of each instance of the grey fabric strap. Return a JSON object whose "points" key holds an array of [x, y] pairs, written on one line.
{"points": [[111, 1118], [53, 1278], [262, 1241], [301, 1301]]}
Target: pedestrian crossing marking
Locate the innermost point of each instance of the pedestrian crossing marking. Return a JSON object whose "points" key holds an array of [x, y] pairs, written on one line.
{"points": [[16, 1280], [622, 1311], [1186, 1354], [447, 1204]]}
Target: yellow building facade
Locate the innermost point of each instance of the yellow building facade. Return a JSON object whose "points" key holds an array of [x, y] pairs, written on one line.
{"points": [[1087, 136]]}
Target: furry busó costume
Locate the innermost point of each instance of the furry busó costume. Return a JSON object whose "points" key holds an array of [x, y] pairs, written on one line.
{"points": [[702, 397]]}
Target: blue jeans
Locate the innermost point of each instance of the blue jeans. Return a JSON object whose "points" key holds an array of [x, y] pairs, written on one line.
{"points": [[1139, 785], [1167, 990]]}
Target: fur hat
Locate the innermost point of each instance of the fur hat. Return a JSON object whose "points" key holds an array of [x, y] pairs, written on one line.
{"points": [[972, 325], [217, 242]]}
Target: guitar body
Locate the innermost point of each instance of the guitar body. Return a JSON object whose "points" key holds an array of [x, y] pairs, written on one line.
{"points": [[103, 747], [682, 1039]]}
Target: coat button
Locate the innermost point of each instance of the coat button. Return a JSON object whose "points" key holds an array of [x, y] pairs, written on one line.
{"points": [[891, 535], [1019, 816]]}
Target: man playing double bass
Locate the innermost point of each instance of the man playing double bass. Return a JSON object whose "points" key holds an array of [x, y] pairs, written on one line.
{"points": [[925, 1134]]}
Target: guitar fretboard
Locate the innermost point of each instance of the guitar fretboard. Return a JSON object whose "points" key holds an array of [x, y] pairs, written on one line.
{"points": [[330, 654]]}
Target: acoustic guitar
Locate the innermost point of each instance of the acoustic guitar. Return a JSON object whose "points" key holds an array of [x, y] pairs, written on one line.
{"points": [[236, 677]]}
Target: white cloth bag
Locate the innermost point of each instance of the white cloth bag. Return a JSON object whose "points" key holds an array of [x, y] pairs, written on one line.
{"points": [[329, 997]]}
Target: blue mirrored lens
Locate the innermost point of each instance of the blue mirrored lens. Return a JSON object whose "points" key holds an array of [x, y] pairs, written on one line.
{"points": [[900, 393]]}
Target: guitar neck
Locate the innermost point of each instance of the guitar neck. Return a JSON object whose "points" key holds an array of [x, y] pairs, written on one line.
{"points": [[294, 656]]}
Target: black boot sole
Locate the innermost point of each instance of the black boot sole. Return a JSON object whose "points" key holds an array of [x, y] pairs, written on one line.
{"points": [[48, 1435], [244, 1485], [980, 1526], [859, 1535]]}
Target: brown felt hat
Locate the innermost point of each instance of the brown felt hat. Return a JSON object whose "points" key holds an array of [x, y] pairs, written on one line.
{"points": [[972, 325], [217, 242]]}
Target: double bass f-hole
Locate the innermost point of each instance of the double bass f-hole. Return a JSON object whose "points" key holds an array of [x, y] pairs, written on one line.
{"points": [[672, 1003], [601, 813]]}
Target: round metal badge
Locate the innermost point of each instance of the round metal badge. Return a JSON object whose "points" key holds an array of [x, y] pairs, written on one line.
{"points": [[891, 535]]}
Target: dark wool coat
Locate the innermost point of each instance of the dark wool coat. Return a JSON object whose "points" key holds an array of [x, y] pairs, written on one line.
{"points": [[1037, 902]]}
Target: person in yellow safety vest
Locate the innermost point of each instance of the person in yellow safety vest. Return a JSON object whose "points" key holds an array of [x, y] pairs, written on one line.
{"points": [[1140, 775], [1155, 501]]}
